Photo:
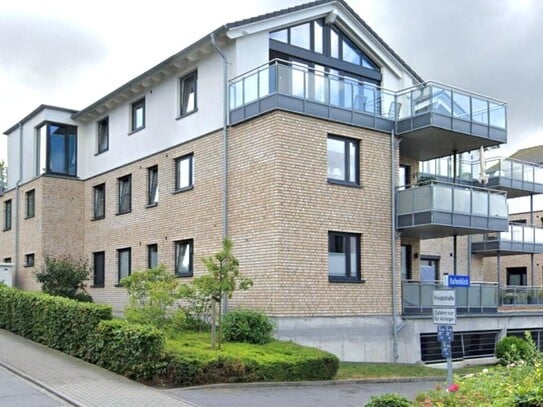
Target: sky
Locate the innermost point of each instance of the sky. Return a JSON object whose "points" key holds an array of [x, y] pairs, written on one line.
{"points": [[71, 53]]}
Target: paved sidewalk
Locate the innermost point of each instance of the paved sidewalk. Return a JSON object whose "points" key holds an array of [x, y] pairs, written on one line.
{"points": [[75, 381]]}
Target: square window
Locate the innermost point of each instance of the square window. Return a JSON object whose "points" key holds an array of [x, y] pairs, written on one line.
{"points": [[7, 260], [152, 256], [187, 92], [184, 169], [125, 194], [124, 262], [30, 201], [138, 115], [29, 260], [183, 258], [343, 256], [99, 201], [152, 185], [343, 160], [7, 214], [99, 269], [103, 135]]}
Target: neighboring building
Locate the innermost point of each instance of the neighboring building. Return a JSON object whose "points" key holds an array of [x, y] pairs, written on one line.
{"points": [[310, 168]]}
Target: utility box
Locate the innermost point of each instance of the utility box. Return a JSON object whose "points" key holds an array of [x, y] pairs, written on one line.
{"points": [[6, 274]]}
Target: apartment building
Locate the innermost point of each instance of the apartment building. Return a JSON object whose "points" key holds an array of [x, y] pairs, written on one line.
{"points": [[298, 134]]}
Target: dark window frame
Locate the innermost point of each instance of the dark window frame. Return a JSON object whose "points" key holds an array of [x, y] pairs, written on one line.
{"points": [[30, 204], [120, 194], [102, 134], [95, 190], [119, 252], [8, 214], [134, 107], [409, 262], [68, 131], [346, 160], [178, 161], [30, 260], [152, 248], [99, 274], [436, 259], [188, 79], [152, 186], [351, 276], [177, 243]]}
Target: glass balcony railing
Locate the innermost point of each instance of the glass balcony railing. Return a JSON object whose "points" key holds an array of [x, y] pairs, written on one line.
{"points": [[521, 295], [519, 238], [3, 179]]}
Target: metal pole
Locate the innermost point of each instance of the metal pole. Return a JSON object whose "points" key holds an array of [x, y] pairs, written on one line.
{"points": [[393, 242], [455, 260], [532, 224], [449, 370]]}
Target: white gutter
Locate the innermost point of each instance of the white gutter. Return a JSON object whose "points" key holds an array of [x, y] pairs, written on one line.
{"points": [[395, 327]]}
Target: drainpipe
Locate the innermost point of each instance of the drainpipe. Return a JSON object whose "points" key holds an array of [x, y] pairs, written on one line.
{"points": [[224, 151], [17, 185], [393, 241]]}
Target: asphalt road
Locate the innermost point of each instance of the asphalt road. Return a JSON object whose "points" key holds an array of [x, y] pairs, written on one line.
{"points": [[17, 392], [328, 395]]}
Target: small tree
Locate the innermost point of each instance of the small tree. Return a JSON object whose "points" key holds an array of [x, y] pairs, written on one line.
{"points": [[65, 277], [222, 280]]}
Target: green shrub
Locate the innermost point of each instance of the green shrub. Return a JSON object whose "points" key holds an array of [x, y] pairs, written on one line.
{"points": [[512, 349], [65, 277], [246, 326], [389, 400], [133, 350]]}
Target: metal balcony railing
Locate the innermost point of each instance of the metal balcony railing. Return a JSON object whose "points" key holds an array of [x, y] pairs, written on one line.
{"points": [[519, 238]]}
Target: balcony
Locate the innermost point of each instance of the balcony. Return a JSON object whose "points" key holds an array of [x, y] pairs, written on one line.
{"points": [[438, 209], [434, 120], [525, 296], [3, 179], [518, 239], [518, 178], [437, 119], [480, 297]]}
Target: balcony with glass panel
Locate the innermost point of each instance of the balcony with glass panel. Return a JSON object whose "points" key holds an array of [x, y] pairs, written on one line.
{"points": [[518, 239], [3, 179], [436, 209], [436, 119], [299, 88], [518, 178]]}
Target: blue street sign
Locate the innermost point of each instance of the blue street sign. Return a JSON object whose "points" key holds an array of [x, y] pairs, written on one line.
{"points": [[458, 281], [446, 349], [445, 333]]}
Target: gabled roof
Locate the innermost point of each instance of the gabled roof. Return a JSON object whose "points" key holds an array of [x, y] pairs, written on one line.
{"points": [[35, 112], [530, 154], [204, 46]]}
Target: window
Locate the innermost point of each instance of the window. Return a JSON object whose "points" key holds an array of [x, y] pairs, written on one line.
{"points": [[404, 179], [152, 185], [187, 92], [7, 260], [152, 255], [184, 168], [103, 135], [138, 115], [406, 262], [125, 194], [29, 260], [7, 215], [99, 201], [343, 256], [124, 262], [99, 269], [30, 201], [183, 258], [56, 147], [343, 160], [517, 276], [429, 268]]}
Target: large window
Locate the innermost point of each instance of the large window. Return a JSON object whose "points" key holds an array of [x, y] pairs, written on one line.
{"points": [[343, 256], [99, 201], [30, 204], [56, 149], [7, 214], [124, 262], [125, 194], [138, 115], [184, 168], [152, 256], [343, 160], [187, 93], [183, 258], [152, 185], [103, 135], [99, 269], [517, 276]]}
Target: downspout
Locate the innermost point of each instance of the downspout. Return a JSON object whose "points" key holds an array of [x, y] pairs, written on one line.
{"points": [[17, 185], [393, 241], [224, 151]]}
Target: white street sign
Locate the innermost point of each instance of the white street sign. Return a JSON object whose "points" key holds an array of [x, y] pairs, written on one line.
{"points": [[444, 298], [445, 316]]}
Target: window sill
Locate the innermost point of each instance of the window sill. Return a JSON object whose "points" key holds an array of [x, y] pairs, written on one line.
{"points": [[97, 218], [184, 275], [97, 286], [186, 114], [151, 205], [123, 213], [136, 130], [28, 265], [343, 183], [345, 280], [101, 152], [118, 285], [6, 230], [183, 189], [29, 217]]}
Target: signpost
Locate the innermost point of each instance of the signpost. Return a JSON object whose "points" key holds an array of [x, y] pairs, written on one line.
{"points": [[444, 311]]}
